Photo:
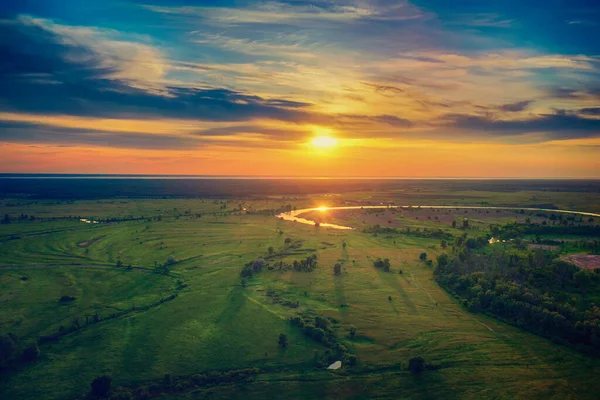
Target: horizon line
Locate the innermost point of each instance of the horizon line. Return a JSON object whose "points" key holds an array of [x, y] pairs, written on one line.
{"points": [[35, 175]]}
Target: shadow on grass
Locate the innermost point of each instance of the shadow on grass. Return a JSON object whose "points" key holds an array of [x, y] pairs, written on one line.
{"points": [[391, 279]]}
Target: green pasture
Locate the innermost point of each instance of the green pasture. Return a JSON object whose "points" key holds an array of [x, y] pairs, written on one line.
{"points": [[216, 323]]}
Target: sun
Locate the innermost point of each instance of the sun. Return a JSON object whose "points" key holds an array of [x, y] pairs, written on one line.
{"points": [[324, 142]]}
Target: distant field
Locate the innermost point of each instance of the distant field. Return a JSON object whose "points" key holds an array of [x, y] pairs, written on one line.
{"points": [[215, 322]]}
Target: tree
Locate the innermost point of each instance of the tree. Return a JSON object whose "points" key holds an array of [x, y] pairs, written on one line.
{"points": [[101, 386], [423, 256], [31, 353], [8, 348], [352, 331], [444, 244], [416, 365], [288, 240], [317, 224], [167, 381], [344, 244], [385, 264], [258, 265], [454, 224], [582, 279], [465, 224], [337, 269], [171, 260], [283, 341], [271, 250], [442, 260]]}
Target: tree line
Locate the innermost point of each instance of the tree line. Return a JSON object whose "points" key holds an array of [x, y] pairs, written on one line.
{"points": [[531, 289]]}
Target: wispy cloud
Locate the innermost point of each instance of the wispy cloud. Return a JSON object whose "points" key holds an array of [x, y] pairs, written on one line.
{"points": [[483, 20], [269, 75], [273, 12]]}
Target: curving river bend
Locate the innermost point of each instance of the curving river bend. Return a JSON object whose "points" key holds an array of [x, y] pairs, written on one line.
{"points": [[294, 215]]}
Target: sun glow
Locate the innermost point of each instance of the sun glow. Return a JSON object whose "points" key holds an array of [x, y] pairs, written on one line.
{"points": [[324, 142], [322, 208]]}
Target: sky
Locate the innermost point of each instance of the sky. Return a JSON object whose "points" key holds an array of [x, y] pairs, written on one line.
{"points": [[423, 88]]}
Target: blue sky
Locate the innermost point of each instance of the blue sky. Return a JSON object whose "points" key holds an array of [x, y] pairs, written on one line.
{"points": [[510, 88]]}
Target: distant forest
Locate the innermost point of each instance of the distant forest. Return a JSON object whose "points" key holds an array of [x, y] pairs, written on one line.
{"points": [[106, 186]]}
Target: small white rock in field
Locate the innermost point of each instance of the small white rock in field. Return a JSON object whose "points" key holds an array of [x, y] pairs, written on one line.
{"points": [[335, 365]]}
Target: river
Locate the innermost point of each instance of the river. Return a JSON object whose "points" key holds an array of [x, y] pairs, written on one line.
{"points": [[294, 215]]}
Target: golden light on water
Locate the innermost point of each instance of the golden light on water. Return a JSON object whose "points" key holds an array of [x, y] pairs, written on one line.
{"points": [[322, 208]]}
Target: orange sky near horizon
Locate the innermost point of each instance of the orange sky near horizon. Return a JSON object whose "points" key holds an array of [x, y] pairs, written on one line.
{"points": [[418, 159]]}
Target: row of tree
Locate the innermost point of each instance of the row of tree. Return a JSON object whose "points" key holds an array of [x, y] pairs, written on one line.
{"points": [[13, 353], [424, 233], [528, 288]]}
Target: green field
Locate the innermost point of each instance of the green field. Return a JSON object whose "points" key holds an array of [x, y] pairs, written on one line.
{"points": [[197, 316]]}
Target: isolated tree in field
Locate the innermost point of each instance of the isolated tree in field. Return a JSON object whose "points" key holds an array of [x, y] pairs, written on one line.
{"points": [[171, 260], [337, 269], [283, 341], [444, 244], [423, 256], [465, 224], [385, 264], [271, 250], [344, 244], [288, 240], [416, 365], [352, 331], [167, 381], [454, 224], [101, 386], [317, 224]]}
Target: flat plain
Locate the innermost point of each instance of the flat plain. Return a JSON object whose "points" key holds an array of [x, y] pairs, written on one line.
{"points": [[154, 288]]}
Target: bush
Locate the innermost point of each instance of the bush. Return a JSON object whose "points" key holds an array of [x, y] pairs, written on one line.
{"points": [[283, 340], [8, 348], [351, 360], [101, 386], [416, 365], [167, 381], [352, 331], [337, 269], [31, 353], [385, 264]]}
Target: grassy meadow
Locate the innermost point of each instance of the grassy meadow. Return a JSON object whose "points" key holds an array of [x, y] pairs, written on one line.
{"points": [[197, 315]]}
